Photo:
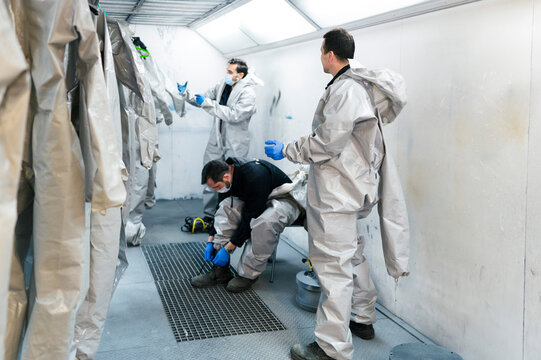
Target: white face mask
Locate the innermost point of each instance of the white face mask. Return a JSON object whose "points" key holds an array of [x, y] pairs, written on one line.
{"points": [[229, 79], [224, 189]]}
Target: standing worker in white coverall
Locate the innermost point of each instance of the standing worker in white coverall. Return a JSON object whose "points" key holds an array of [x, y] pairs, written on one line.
{"points": [[350, 172], [232, 103]]}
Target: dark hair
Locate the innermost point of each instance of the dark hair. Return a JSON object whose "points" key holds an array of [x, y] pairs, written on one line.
{"points": [[215, 170], [340, 42], [241, 65]]}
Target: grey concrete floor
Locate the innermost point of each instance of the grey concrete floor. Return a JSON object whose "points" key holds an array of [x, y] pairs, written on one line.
{"points": [[137, 326]]}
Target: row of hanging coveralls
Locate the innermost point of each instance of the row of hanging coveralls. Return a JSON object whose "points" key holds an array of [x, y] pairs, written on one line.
{"points": [[79, 104]]}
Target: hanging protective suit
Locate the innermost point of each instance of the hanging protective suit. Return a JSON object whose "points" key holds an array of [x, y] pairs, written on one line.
{"points": [[14, 96], [284, 207], [139, 130], [229, 135], [17, 298], [60, 244], [104, 228], [347, 156], [164, 106]]}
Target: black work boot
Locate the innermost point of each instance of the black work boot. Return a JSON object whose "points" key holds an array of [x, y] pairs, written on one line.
{"points": [[308, 352], [239, 284], [363, 331], [217, 275]]}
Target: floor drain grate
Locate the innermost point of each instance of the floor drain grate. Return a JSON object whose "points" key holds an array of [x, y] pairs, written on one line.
{"points": [[203, 313]]}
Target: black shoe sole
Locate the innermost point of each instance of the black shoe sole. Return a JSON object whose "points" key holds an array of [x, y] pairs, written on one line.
{"points": [[364, 337], [209, 285], [203, 286], [236, 291], [362, 333]]}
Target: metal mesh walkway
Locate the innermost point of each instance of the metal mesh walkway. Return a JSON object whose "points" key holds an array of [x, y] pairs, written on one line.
{"points": [[203, 313]]}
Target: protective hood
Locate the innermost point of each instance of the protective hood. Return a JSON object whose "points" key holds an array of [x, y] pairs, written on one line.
{"points": [[386, 88], [250, 80], [296, 188]]}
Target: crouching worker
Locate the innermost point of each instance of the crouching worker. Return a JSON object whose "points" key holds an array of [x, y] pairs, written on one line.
{"points": [[255, 205]]}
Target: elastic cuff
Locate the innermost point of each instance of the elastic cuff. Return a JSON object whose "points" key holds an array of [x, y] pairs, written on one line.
{"points": [[236, 242]]}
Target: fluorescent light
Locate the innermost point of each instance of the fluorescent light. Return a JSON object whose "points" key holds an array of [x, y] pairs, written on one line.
{"points": [[268, 21], [225, 35], [327, 13], [257, 22]]}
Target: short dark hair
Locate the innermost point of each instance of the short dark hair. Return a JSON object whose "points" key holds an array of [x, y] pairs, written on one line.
{"points": [[340, 42], [241, 65], [215, 170]]}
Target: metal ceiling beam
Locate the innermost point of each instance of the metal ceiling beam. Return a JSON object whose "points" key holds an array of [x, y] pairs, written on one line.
{"points": [[162, 22], [134, 11], [303, 14], [213, 14], [174, 8], [185, 3], [167, 13], [160, 18]]}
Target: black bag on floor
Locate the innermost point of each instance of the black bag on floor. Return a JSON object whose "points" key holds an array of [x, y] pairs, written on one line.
{"points": [[196, 225]]}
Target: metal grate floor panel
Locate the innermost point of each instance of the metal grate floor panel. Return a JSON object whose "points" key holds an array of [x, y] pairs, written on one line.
{"points": [[203, 313]]}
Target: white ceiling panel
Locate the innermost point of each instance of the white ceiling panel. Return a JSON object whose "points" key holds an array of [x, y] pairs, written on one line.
{"points": [[327, 13]]}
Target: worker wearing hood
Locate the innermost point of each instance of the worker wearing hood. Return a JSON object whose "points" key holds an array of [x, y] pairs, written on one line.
{"points": [[232, 102], [350, 172]]}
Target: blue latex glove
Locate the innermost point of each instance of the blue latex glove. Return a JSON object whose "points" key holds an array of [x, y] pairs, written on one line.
{"points": [[182, 88], [274, 150], [209, 251], [199, 99], [222, 258]]}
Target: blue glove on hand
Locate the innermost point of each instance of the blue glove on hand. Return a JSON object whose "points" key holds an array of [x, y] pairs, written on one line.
{"points": [[199, 99], [274, 150], [182, 88], [209, 251], [222, 258]]}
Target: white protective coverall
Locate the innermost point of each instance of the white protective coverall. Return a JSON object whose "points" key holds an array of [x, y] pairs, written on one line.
{"points": [[104, 228], [140, 135], [164, 105], [14, 96], [69, 134], [285, 205], [229, 135], [350, 172]]}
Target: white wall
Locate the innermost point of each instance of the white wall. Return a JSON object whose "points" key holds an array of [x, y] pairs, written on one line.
{"points": [[183, 55], [468, 151], [532, 259]]}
